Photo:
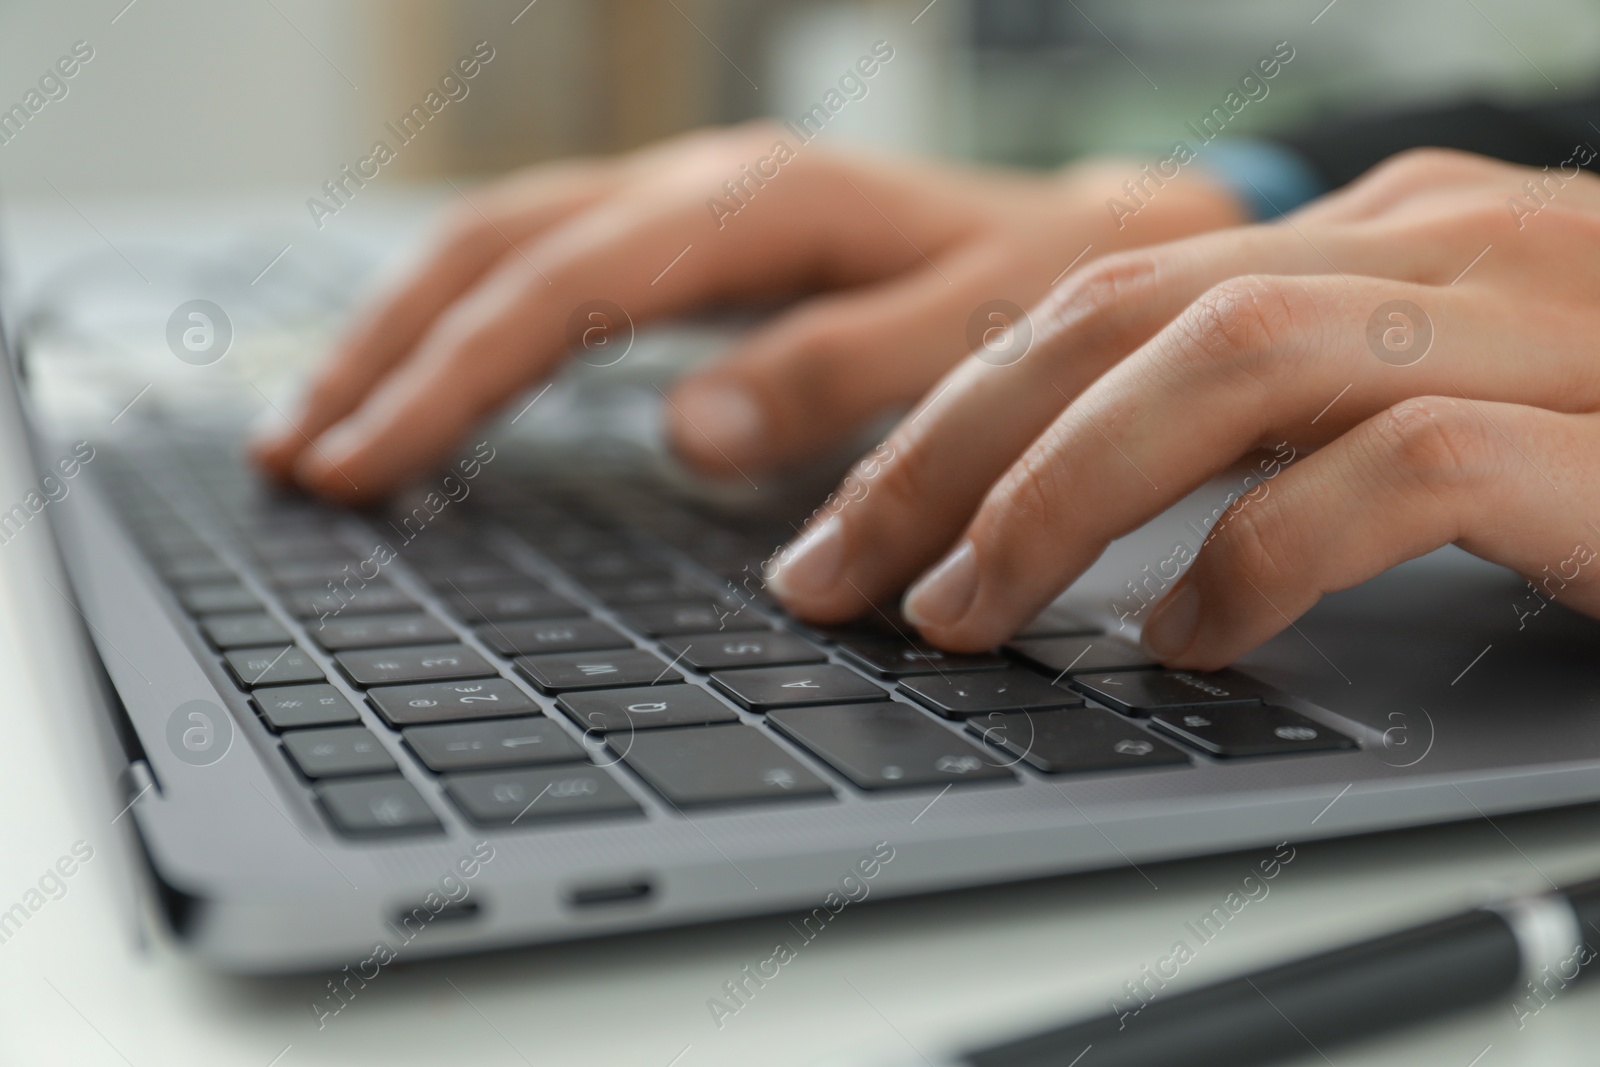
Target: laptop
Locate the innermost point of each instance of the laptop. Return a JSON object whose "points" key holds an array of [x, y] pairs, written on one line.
{"points": [[537, 699]]}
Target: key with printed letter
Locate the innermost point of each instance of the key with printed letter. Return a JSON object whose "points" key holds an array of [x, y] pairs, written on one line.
{"points": [[595, 670], [373, 631], [644, 707], [524, 601], [272, 666], [785, 687], [666, 620], [484, 698], [555, 635], [337, 751], [899, 659], [1141, 692], [419, 663], [958, 695], [1080, 655], [719, 651], [290, 707]]}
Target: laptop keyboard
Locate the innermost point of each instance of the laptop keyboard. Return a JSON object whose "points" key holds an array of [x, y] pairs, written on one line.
{"points": [[551, 656]]}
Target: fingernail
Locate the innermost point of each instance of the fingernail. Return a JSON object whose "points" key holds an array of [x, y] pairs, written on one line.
{"points": [[811, 565], [725, 415], [944, 593], [1171, 629]]}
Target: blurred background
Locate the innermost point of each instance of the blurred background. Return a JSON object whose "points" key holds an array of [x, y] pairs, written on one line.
{"points": [[195, 96], [184, 158]]}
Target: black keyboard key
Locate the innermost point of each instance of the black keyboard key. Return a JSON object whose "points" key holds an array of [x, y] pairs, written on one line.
{"points": [[788, 687], [646, 591], [272, 665], [706, 616], [887, 746], [337, 752], [373, 807], [501, 743], [552, 635], [718, 765], [322, 603], [291, 707], [607, 710], [1075, 742], [241, 631], [720, 651], [517, 602], [1058, 622], [526, 798], [614, 565], [482, 698], [1248, 731], [418, 663], [879, 623], [596, 670], [466, 575], [1141, 692], [1082, 655], [956, 696], [217, 597], [373, 631], [901, 659]]}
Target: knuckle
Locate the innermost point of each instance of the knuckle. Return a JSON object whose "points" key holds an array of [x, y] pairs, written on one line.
{"points": [[1483, 214], [1245, 544], [1569, 225], [1097, 294], [906, 483], [1240, 327], [1026, 496], [1416, 166], [1439, 441]]}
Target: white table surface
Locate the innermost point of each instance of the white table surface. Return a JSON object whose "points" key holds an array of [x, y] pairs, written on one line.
{"points": [[91, 980]]}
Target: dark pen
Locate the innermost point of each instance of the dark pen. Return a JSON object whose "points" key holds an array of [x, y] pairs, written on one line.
{"points": [[1527, 947]]}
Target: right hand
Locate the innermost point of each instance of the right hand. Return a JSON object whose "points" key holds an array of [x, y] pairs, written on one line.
{"points": [[896, 257]]}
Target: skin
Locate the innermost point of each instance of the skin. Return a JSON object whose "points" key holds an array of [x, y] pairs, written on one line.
{"points": [[1156, 370], [885, 259], [1184, 342]]}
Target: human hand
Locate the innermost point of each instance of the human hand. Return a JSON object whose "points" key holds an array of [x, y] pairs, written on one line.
{"points": [[1152, 371], [898, 255]]}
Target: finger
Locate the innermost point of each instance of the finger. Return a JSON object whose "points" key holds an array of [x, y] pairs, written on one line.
{"points": [[1256, 361], [823, 371], [1497, 479], [478, 234], [1417, 172], [982, 416], [636, 250]]}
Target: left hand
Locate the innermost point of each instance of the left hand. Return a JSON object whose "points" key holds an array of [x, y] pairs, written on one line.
{"points": [[1154, 370]]}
